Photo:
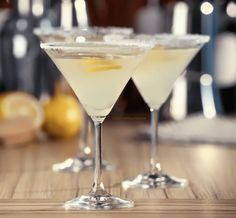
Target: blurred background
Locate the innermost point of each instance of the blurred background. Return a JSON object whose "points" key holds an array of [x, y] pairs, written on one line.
{"points": [[208, 87]]}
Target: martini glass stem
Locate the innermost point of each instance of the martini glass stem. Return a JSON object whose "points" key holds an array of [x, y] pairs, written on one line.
{"points": [[83, 144], [154, 165], [98, 185]]}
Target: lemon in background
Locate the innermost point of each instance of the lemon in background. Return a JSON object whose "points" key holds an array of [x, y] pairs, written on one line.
{"points": [[20, 104], [62, 116]]}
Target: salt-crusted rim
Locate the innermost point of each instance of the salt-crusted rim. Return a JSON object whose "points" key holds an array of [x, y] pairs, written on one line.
{"points": [[176, 41], [120, 47], [82, 31]]}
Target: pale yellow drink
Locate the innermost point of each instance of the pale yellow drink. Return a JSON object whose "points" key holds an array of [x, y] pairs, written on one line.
{"points": [[97, 80], [159, 70]]}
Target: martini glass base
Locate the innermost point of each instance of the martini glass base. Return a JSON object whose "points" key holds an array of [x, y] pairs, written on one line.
{"points": [[155, 180], [98, 201], [79, 163]]}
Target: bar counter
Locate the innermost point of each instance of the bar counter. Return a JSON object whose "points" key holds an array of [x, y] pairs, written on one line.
{"points": [[29, 188]]}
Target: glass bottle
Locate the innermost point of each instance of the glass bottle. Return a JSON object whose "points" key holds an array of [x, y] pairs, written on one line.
{"points": [[19, 48]]}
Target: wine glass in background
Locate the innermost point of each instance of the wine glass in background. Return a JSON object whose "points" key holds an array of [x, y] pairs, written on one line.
{"points": [[83, 160], [97, 71], [154, 78]]}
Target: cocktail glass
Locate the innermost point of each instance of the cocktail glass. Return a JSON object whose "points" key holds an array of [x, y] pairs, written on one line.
{"points": [[83, 160], [97, 72], [154, 78]]}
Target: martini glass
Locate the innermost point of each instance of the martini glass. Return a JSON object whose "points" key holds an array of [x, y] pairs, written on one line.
{"points": [[97, 72], [154, 79], [83, 160]]}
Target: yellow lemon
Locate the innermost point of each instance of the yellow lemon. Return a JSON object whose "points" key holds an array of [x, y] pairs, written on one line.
{"points": [[99, 64], [62, 116], [20, 104]]}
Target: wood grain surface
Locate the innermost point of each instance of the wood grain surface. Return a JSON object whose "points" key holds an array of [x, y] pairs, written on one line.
{"points": [[28, 187]]}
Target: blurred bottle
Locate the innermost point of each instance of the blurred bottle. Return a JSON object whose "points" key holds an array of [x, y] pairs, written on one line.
{"points": [[225, 57], [47, 73], [4, 14], [178, 103], [41, 13], [81, 13], [19, 48], [149, 19], [69, 13]]}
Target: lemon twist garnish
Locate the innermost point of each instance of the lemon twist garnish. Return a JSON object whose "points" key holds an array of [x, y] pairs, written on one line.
{"points": [[98, 64]]}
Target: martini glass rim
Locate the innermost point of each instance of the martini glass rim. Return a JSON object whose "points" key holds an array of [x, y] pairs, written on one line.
{"points": [[128, 46], [168, 40], [94, 30]]}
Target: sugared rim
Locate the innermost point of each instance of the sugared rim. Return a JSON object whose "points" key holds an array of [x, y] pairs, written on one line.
{"points": [[175, 41], [121, 46], [57, 31], [82, 31]]}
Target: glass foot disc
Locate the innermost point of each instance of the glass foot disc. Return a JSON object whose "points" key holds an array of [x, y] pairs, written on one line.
{"points": [[94, 201], [155, 180], [77, 164]]}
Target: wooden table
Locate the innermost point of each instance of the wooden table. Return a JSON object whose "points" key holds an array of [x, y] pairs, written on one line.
{"points": [[28, 187]]}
